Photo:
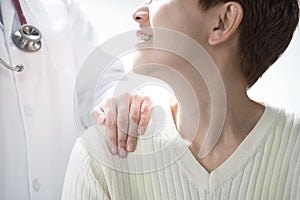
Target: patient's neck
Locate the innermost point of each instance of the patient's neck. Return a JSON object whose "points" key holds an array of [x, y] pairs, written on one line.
{"points": [[209, 130], [207, 126], [203, 116], [220, 123]]}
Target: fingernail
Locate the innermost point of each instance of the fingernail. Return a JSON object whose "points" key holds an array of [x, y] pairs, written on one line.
{"points": [[101, 119], [114, 150], [130, 146], [122, 153], [141, 130]]}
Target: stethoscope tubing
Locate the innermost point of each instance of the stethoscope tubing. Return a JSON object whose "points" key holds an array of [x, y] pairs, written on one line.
{"points": [[20, 13], [27, 38], [17, 68]]}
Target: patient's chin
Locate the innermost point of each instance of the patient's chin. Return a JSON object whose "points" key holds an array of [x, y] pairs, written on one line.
{"points": [[150, 69], [146, 60]]}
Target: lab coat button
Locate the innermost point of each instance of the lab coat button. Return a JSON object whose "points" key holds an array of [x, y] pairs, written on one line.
{"points": [[36, 185], [27, 111]]}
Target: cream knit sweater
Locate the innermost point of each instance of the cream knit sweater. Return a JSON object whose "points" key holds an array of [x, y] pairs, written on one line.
{"points": [[266, 165]]}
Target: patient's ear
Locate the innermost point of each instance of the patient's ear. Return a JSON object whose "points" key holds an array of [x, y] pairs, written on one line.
{"points": [[228, 20]]}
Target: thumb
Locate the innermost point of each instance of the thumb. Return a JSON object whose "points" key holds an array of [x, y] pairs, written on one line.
{"points": [[98, 115], [174, 109]]}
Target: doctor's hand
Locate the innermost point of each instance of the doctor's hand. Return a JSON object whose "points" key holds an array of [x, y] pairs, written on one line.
{"points": [[125, 118]]}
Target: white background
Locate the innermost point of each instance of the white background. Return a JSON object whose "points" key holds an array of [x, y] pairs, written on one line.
{"points": [[279, 86]]}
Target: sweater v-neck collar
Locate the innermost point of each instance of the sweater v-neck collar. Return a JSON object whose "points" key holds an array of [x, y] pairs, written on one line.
{"points": [[238, 158]]}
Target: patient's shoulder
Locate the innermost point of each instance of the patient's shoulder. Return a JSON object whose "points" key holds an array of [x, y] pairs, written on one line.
{"points": [[155, 145]]}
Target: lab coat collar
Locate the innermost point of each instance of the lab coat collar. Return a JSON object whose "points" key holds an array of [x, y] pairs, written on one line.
{"points": [[1, 14], [8, 15]]}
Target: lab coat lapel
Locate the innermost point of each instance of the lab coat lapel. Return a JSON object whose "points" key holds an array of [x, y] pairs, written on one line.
{"points": [[8, 15], [1, 20]]}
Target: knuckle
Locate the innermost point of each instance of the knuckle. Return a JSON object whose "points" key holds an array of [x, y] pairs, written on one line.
{"points": [[134, 116], [122, 122], [132, 134], [112, 139], [121, 143], [109, 104], [136, 97], [144, 120], [109, 109], [125, 96], [145, 110], [110, 123], [128, 95], [147, 100], [122, 111], [106, 102]]}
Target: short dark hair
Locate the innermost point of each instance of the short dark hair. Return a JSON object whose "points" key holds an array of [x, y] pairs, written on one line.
{"points": [[266, 30]]}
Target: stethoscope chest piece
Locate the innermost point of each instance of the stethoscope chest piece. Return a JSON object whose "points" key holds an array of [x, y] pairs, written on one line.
{"points": [[27, 38]]}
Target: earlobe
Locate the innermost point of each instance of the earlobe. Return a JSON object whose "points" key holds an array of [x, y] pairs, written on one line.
{"points": [[230, 16]]}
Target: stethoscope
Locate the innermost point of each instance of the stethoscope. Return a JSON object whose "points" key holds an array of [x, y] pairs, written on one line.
{"points": [[27, 38]]}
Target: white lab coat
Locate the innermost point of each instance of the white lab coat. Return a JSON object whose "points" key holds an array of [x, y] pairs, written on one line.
{"points": [[37, 129]]}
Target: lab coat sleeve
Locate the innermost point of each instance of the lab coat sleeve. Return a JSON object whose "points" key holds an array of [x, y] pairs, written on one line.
{"points": [[84, 177], [95, 85], [85, 41]]}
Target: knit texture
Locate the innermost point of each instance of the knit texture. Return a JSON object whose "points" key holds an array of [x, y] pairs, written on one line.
{"points": [[266, 165]]}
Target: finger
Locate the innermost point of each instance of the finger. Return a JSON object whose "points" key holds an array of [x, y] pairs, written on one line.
{"points": [[131, 143], [174, 109], [110, 125], [134, 114], [98, 114], [123, 123], [145, 115], [134, 118]]}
